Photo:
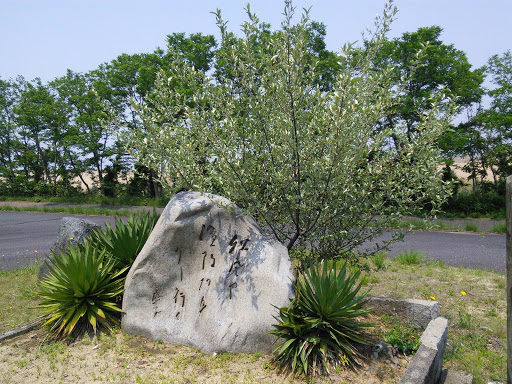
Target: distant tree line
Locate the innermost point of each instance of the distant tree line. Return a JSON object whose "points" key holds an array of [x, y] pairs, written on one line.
{"points": [[53, 133]]}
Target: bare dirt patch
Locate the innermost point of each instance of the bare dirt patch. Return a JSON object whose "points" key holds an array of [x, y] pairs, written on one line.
{"points": [[121, 358]]}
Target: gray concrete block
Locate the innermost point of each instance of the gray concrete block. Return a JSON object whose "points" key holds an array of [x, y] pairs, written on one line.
{"points": [[426, 366], [435, 337], [417, 312], [419, 370], [435, 334]]}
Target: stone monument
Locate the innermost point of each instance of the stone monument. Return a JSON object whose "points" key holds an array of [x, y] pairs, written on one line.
{"points": [[207, 277]]}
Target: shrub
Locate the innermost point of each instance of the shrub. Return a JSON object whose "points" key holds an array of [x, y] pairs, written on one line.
{"points": [[80, 291], [315, 166], [476, 204], [319, 328]]}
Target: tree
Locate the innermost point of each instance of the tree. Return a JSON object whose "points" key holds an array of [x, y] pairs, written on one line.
{"points": [[41, 119], [89, 99], [197, 50], [9, 144], [309, 164], [485, 138], [496, 121], [132, 78], [422, 65]]}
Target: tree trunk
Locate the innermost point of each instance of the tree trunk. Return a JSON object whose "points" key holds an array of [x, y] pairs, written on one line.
{"points": [[154, 183], [509, 280]]}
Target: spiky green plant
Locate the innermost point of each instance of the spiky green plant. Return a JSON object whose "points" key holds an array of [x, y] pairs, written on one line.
{"points": [[80, 291], [319, 328], [125, 240]]}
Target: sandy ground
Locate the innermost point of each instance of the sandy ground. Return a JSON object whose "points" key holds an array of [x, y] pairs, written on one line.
{"points": [[128, 359]]}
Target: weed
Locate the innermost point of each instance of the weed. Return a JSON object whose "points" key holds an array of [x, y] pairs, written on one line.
{"points": [[403, 337], [410, 257], [470, 227], [379, 260], [364, 279], [436, 263], [498, 228], [465, 320]]}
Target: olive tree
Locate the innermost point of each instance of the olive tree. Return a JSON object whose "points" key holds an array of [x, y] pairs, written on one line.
{"points": [[309, 164]]}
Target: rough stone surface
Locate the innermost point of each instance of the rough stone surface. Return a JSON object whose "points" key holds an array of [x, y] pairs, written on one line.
{"points": [[436, 333], [71, 231], [426, 366], [417, 312], [435, 337], [419, 370], [449, 376], [207, 277]]}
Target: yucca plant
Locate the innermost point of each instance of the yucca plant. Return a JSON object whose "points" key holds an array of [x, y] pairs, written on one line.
{"points": [[80, 291], [319, 328], [124, 242]]}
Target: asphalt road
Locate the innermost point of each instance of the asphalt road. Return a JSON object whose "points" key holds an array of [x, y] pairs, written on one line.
{"points": [[26, 237], [460, 249]]}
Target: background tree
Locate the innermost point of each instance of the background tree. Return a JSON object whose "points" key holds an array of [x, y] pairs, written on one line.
{"points": [[89, 99], [307, 163], [496, 121], [41, 118], [9, 144], [422, 65], [132, 78]]}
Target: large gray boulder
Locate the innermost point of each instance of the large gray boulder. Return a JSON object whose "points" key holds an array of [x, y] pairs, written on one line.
{"points": [[71, 231], [207, 277]]}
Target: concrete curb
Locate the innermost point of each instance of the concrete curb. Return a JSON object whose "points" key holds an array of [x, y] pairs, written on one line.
{"points": [[20, 330], [426, 365], [419, 313]]}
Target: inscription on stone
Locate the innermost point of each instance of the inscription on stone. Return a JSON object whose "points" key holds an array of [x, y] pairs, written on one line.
{"points": [[207, 277]]}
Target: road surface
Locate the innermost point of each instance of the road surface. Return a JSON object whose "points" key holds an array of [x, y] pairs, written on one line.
{"points": [[26, 237]]}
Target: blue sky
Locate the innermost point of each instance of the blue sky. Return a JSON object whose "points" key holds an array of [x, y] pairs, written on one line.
{"points": [[45, 38]]}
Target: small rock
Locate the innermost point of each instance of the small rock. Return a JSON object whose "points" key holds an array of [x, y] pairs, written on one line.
{"points": [[71, 231]]}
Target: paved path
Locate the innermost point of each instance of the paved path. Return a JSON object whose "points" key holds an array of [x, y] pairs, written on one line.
{"points": [[25, 237]]}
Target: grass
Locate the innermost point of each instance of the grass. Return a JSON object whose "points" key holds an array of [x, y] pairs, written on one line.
{"points": [[499, 228], [422, 225], [470, 227], [72, 210], [474, 302], [410, 257], [93, 199], [17, 300]]}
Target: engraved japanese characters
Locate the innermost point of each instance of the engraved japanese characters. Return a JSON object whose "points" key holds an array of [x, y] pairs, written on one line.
{"points": [[207, 277]]}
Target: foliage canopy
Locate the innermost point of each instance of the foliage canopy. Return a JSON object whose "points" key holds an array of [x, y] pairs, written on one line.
{"points": [[309, 163]]}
